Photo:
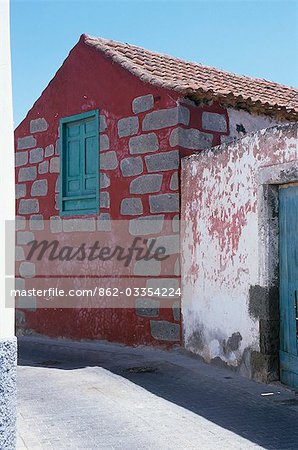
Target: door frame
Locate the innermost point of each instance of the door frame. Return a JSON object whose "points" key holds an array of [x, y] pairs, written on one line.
{"points": [[269, 179]]}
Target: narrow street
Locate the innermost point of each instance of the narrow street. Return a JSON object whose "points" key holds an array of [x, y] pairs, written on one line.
{"points": [[104, 396]]}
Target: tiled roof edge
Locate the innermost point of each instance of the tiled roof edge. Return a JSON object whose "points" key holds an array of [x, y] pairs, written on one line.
{"points": [[186, 89]]}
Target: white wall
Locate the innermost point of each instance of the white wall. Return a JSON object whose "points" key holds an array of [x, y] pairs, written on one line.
{"points": [[223, 241], [7, 166], [249, 123]]}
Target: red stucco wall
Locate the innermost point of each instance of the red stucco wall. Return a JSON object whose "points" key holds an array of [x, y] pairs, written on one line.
{"points": [[88, 81]]}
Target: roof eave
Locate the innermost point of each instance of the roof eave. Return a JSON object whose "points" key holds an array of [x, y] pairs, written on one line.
{"points": [[273, 110]]}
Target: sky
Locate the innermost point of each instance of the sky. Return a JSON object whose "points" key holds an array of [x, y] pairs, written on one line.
{"points": [[250, 37]]}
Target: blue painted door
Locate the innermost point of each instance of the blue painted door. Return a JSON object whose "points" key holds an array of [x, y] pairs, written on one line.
{"points": [[288, 232]]}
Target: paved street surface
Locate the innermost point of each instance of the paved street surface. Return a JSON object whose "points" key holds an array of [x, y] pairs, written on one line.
{"points": [[103, 396]]}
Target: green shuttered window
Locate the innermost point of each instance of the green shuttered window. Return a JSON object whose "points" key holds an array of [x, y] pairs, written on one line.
{"points": [[79, 183]]}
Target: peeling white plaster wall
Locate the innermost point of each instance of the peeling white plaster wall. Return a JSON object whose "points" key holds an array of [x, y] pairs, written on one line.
{"points": [[223, 241]]}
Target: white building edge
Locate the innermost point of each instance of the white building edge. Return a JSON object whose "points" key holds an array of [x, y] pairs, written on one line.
{"points": [[8, 345]]}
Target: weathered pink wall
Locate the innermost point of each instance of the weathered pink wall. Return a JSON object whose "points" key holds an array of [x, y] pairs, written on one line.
{"points": [[229, 247]]}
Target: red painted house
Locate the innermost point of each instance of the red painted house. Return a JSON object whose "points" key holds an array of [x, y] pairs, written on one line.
{"points": [[99, 152]]}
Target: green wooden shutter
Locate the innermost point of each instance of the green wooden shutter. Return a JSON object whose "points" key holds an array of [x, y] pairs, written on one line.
{"points": [[79, 164]]}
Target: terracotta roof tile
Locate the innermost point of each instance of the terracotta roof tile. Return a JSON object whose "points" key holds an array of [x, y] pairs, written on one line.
{"points": [[201, 82]]}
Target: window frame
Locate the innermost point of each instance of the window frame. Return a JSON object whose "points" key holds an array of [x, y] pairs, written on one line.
{"points": [[62, 122]]}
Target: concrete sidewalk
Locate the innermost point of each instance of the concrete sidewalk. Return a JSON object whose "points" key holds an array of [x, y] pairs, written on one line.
{"points": [[104, 396]]}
